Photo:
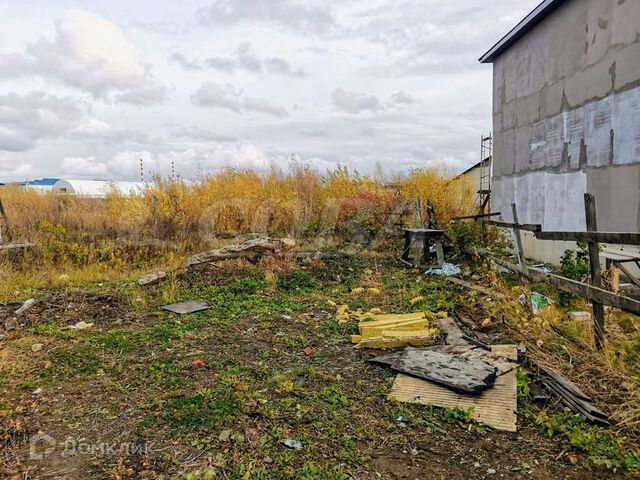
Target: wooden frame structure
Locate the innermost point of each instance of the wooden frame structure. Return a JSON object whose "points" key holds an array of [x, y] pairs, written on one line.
{"points": [[594, 292]]}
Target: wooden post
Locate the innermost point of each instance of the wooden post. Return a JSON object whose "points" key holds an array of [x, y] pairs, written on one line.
{"points": [[518, 238], [3, 214], [594, 264]]}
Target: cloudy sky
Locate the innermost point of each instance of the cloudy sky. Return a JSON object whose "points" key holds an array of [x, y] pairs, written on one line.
{"points": [[87, 88]]}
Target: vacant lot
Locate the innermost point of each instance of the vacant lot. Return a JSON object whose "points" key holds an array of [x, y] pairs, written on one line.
{"points": [[146, 394]]}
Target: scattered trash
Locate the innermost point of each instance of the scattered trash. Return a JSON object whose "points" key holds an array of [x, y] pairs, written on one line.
{"points": [[82, 325], [357, 291], [416, 300], [199, 363], [465, 369], [539, 302], [401, 422], [540, 267], [36, 347], [447, 269], [123, 405], [224, 435], [184, 308], [37, 391], [570, 395], [580, 316], [393, 331], [25, 306], [293, 444], [486, 323], [374, 291], [342, 314], [308, 351], [496, 407]]}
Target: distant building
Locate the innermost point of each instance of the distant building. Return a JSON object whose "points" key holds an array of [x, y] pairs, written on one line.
{"points": [[476, 172], [566, 118], [43, 185], [98, 188]]}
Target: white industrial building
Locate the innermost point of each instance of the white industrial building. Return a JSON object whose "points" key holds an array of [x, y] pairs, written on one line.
{"points": [[99, 188]]}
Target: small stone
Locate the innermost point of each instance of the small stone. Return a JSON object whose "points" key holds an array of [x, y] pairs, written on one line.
{"points": [[224, 435], [36, 347], [10, 324], [37, 391], [491, 471], [293, 444]]}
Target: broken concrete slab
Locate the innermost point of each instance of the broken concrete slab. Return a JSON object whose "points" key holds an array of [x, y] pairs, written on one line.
{"points": [[184, 308], [152, 278], [249, 248]]}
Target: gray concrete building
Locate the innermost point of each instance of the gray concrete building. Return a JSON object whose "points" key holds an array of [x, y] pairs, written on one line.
{"points": [[566, 118]]}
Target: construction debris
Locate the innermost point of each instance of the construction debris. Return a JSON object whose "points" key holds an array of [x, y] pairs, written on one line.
{"points": [[495, 407], [464, 368], [151, 278], [184, 308], [25, 306], [249, 249], [82, 325], [570, 395], [448, 270], [394, 331]]}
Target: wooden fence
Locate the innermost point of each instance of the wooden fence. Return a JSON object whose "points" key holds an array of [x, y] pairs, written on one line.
{"points": [[594, 292]]}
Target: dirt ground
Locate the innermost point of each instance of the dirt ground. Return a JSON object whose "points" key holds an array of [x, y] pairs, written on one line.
{"points": [[146, 394]]}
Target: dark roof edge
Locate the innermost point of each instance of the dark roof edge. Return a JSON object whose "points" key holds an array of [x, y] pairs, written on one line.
{"points": [[530, 21]]}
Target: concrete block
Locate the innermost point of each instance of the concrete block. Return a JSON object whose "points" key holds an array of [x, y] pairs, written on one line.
{"points": [[527, 109], [625, 28], [551, 99], [599, 20], [617, 197], [626, 127], [627, 61]]}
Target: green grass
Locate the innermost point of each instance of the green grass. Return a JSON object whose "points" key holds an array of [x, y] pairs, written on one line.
{"points": [[210, 409], [599, 445]]}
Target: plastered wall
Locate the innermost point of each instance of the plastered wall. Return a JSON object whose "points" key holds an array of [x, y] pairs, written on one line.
{"points": [[567, 119]]}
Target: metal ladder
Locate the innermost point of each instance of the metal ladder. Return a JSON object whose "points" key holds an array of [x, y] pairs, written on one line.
{"points": [[486, 156]]}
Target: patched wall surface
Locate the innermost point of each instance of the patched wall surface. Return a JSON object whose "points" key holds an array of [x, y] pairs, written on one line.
{"points": [[567, 118]]}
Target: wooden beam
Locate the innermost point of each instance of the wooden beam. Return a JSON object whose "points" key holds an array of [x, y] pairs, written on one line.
{"points": [[615, 238], [518, 238], [590, 292], [519, 226], [476, 217], [594, 265]]}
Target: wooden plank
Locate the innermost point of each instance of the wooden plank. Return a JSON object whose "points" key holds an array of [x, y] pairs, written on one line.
{"points": [[589, 292], [628, 273], [616, 238], [495, 407], [477, 217], [518, 238], [3, 214], [519, 226], [16, 246], [594, 266]]}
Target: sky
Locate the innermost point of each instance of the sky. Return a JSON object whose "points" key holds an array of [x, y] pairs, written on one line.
{"points": [[88, 88]]}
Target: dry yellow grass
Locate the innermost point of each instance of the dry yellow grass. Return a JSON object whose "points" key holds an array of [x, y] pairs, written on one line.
{"points": [[99, 239]]}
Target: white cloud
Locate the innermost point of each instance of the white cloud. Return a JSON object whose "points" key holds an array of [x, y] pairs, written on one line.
{"points": [[289, 14], [242, 58], [228, 97], [24, 119], [401, 98], [80, 167], [91, 54], [11, 171], [353, 102]]}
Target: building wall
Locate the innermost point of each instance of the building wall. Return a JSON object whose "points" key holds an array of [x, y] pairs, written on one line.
{"points": [[567, 120]]}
